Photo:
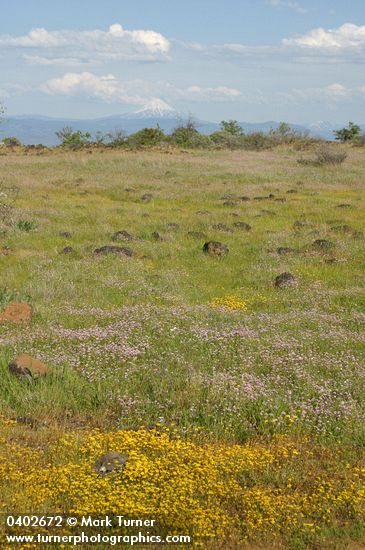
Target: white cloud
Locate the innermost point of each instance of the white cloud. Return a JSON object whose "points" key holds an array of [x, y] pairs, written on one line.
{"points": [[115, 43], [135, 92], [295, 6], [107, 88], [348, 36], [55, 61], [218, 93], [332, 94]]}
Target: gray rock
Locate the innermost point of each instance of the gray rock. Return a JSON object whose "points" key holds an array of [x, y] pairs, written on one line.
{"points": [[215, 248], [67, 250], [221, 227], [284, 250], [322, 245], [122, 236], [147, 197], [110, 462], [284, 280], [243, 225], [118, 250]]}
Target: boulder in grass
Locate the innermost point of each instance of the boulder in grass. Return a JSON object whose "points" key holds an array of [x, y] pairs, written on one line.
{"points": [[67, 250], [285, 280], [215, 248], [117, 250], [147, 197], [342, 228], [110, 462], [284, 250], [17, 312], [122, 236], [221, 227], [322, 245], [26, 367], [243, 225]]}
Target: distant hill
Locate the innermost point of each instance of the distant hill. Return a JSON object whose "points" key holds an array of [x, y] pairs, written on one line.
{"points": [[34, 129]]}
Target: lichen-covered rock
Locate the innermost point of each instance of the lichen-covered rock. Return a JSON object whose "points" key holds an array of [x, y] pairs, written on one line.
{"points": [[284, 280], [110, 462], [215, 248], [110, 249], [17, 312], [26, 367]]}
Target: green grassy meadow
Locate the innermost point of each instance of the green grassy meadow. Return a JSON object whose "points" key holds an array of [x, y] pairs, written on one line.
{"points": [[172, 338]]}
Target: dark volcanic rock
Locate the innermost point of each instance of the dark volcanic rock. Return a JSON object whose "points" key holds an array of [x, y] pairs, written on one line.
{"points": [[284, 280], [67, 250], [221, 227], [245, 199], [147, 197], [322, 245], [118, 250], [342, 228], [242, 225], [283, 250], [156, 236], [65, 234], [215, 248], [172, 226], [344, 205], [110, 462], [122, 236]]}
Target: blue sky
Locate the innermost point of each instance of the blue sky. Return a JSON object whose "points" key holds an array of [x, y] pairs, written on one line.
{"points": [[252, 60]]}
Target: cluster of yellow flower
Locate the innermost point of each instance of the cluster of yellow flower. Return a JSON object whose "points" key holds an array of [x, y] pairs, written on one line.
{"points": [[208, 490], [233, 303], [230, 303]]}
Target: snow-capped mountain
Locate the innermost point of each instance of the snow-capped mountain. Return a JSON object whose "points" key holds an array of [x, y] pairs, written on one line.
{"points": [[156, 108]]}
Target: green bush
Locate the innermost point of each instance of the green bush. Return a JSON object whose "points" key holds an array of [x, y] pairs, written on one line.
{"points": [[351, 133], [12, 142], [146, 137], [73, 140], [26, 225], [187, 135]]}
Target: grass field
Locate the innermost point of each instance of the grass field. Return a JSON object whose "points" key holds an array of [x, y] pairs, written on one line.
{"points": [[241, 406]]}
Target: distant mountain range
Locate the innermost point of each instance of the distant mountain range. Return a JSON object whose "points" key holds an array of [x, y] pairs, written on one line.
{"points": [[34, 129]]}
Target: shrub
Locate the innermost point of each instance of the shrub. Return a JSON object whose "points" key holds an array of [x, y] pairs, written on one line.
{"points": [[187, 135], [146, 137], [257, 140], [26, 225], [12, 142], [227, 140], [231, 127], [74, 140], [326, 155], [351, 133], [118, 138]]}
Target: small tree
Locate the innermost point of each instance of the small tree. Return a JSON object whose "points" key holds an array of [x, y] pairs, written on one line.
{"points": [[74, 140], [117, 138], [187, 135], [351, 133], [231, 127], [147, 137], [12, 142]]}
